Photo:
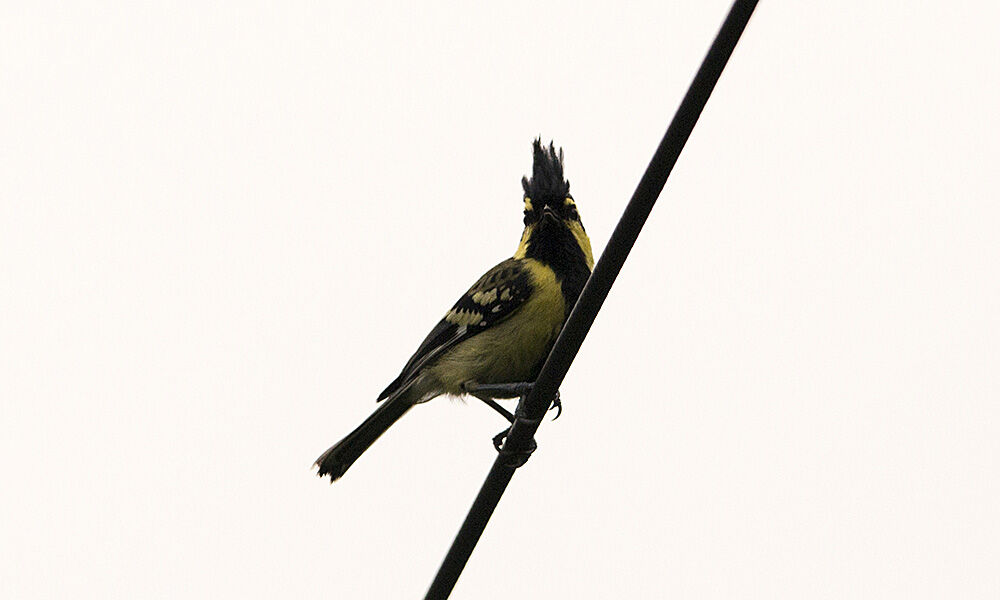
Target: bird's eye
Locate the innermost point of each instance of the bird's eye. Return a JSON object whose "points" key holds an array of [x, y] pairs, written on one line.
{"points": [[569, 208]]}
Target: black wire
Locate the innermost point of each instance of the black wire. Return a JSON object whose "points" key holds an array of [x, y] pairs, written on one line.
{"points": [[532, 409]]}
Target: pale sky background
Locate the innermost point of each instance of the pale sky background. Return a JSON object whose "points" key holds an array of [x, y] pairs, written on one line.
{"points": [[224, 228]]}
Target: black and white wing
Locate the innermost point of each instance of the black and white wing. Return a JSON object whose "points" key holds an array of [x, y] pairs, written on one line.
{"points": [[496, 296]]}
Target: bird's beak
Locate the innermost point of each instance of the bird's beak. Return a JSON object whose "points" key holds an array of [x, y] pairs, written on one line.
{"points": [[550, 213]]}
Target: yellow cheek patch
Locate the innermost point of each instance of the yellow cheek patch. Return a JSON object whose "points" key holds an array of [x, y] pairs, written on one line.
{"points": [[527, 204], [569, 202], [581, 238], [522, 248]]}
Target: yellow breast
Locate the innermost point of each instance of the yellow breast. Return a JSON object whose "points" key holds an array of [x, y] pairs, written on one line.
{"points": [[511, 350]]}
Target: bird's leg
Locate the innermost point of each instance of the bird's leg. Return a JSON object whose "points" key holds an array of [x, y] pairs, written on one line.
{"points": [[474, 390], [500, 390], [493, 404], [486, 392], [515, 459], [509, 390]]}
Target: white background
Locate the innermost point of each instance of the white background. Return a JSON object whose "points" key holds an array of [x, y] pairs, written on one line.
{"points": [[224, 228]]}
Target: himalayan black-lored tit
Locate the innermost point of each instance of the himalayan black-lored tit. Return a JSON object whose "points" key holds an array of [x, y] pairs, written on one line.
{"points": [[493, 341]]}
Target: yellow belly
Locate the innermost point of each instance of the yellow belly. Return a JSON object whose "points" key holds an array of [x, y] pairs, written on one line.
{"points": [[509, 351]]}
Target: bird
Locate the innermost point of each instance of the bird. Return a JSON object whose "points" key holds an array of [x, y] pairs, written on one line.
{"points": [[494, 339]]}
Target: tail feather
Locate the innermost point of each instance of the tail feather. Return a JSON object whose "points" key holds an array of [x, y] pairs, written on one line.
{"points": [[335, 461]]}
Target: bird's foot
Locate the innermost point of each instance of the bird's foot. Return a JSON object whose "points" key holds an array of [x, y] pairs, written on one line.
{"points": [[499, 438], [556, 404], [488, 391], [513, 459]]}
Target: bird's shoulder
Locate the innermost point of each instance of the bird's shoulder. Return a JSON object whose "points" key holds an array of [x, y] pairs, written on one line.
{"points": [[492, 298], [497, 294]]}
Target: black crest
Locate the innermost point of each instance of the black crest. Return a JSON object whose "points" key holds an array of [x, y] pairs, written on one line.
{"points": [[547, 183]]}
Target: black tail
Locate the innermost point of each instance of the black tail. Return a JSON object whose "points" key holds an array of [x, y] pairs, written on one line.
{"points": [[335, 461]]}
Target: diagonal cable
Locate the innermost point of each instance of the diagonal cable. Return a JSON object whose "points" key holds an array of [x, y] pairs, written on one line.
{"points": [[532, 409]]}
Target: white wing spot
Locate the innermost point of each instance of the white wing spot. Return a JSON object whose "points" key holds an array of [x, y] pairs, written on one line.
{"points": [[486, 297], [463, 317]]}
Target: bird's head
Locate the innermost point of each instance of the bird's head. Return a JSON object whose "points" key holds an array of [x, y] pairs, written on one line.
{"points": [[551, 218], [547, 200]]}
